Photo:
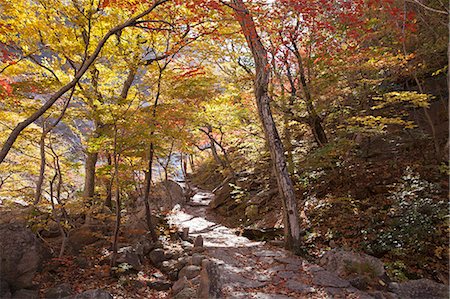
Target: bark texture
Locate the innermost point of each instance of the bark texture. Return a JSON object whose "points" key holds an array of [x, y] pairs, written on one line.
{"points": [[291, 215]]}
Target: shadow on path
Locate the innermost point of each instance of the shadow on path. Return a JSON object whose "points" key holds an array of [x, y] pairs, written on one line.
{"points": [[249, 269]]}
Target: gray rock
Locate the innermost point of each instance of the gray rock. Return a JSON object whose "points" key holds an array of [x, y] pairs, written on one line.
{"points": [[420, 289], [92, 294], [59, 291], [185, 234], [173, 253], [328, 279], [171, 268], [197, 259], [299, 287], [129, 256], [186, 245], [157, 256], [26, 294], [198, 242], [160, 285], [186, 293], [158, 275], [209, 281], [183, 261], [243, 295], [348, 263], [144, 246], [80, 237], [359, 282], [189, 271], [21, 255], [179, 285]]}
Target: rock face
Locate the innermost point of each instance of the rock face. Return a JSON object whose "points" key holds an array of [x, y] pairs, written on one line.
{"points": [[419, 289], [21, 255]]}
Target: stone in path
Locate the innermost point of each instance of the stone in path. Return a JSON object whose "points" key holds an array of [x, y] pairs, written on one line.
{"points": [[249, 269]]}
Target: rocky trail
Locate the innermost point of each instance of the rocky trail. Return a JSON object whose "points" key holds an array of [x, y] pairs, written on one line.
{"points": [[248, 269]]}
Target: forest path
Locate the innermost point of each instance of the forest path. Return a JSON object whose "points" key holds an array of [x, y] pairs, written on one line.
{"points": [[249, 269]]}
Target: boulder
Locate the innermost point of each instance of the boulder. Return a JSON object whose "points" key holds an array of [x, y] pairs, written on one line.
{"points": [[160, 285], [186, 293], [26, 294], [420, 288], [80, 237], [59, 291], [171, 266], [197, 259], [92, 294], [189, 272], [21, 255], [179, 285], [222, 194], [198, 242], [51, 230], [157, 256], [144, 246], [209, 284], [129, 256], [348, 264], [174, 192]]}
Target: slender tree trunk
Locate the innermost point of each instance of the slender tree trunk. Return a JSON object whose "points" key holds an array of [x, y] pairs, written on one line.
{"points": [[148, 174], [45, 131], [117, 196], [89, 179], [108, 199], [57, 215], [148, 184], [291, 215], [315, 120], [191, 162], [37, 195]]}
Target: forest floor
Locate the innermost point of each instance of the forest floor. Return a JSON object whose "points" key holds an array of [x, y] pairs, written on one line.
{"points": [[249, 269]]}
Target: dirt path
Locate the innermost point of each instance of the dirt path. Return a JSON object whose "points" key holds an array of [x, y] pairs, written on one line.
{"points": [[249, 269]]}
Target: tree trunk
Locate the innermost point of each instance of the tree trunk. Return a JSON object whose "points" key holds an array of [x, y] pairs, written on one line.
{"points": [[118, 210], [108, 199], [37, 195], [315, 120], [89, 179], [45, 131], [148, 183], [291, 216]]}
